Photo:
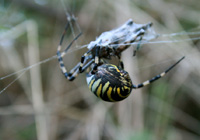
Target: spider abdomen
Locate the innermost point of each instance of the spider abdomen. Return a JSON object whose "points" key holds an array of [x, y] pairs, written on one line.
{"points": [[110, 83]]}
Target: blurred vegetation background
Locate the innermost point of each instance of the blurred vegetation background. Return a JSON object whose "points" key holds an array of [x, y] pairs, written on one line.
{"points": [[41, 104]]}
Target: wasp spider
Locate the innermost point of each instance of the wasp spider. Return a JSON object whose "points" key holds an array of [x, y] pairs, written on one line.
{"points": [[107, 81]]}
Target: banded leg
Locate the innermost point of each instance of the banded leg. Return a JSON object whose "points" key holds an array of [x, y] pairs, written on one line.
{"points": [[76, 72], [83, 60], [121, 64], [137, 48], [96, 60], [61, 55], [157, 76], [72, 71], [82, 65], [62, 38], [141, 34]]}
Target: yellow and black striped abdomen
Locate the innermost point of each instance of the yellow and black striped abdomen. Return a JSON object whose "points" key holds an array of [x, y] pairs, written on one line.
{"points": [[110, 83]]}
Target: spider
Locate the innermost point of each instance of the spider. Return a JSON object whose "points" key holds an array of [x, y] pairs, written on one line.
{"points": [[107, 81]]}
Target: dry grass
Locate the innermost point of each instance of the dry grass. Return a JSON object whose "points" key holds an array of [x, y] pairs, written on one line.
{"points": [[43, 105]]}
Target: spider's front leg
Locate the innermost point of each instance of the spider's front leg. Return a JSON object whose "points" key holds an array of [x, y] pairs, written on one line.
{"points": [[84, 58], [69, 75], [74, 71], [95, 59]]}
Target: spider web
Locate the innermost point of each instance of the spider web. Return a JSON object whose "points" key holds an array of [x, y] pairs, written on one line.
{"points": [[24, 70], [78, 47]]}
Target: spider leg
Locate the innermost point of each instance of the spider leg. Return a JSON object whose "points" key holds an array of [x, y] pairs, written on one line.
{"points": [[76, 71], [70, 19], [157, 76], [141, 34], [87, 65], [61, 55], [137, 48], [83, 60], [121, 63], [96, 60]]}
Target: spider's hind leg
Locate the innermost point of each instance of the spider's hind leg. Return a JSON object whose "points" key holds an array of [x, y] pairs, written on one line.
{"points": [[157, 76]]}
